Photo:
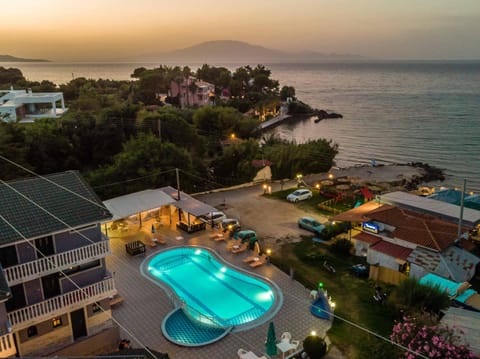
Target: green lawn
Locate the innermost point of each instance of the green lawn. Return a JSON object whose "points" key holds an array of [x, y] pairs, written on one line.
{"points": [[353, 297]]}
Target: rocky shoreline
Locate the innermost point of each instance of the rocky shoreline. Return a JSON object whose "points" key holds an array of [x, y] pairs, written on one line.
{"points": [[406, 176]]}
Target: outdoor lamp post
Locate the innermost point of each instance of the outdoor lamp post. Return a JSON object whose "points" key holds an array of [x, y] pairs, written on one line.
{"points": [[299, 179], [269, 253], [313, 333], [264, 188], [330, 176]]}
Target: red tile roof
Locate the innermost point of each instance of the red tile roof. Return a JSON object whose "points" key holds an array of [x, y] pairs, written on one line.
{"points": [[392, 250], [367, 238], [417, 228]]}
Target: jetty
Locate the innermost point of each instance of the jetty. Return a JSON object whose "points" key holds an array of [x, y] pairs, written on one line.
{"points": [[273, 121]]}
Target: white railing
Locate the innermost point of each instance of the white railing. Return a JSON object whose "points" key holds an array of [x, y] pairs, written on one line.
{"points": [[27, 316], [38, 268], [7, 346]]}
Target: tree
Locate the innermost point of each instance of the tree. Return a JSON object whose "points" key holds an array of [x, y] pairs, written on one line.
{"points": [[286, 92], [10, 77], [432, 340], [145, 162], [315, 347]]}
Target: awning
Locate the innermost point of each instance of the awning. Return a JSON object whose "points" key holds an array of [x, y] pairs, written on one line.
{"points": [[124, 206], [357, 214], [187, 203], [392, 250], [367, 238]]}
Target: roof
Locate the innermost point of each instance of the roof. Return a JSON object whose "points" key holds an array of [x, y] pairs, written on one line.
{"points": [[357, 214], [461, 263], [133, 203], [187, 203], [27, 217], [446, 285], [367, 238], [469, 322], [391, 249], [417, 228], [450, 212]]}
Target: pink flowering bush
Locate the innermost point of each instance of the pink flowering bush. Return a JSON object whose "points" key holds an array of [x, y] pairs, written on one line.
{"points": [[430, 340]]}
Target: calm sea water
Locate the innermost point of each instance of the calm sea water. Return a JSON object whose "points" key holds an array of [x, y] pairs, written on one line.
{"points": [[394, 112]]}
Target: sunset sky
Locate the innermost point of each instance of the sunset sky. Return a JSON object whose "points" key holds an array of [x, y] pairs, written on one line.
{"points": [[103, 30]]}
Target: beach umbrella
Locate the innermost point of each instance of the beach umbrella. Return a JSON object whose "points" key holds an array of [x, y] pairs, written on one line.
{"points": [[271, 343]]}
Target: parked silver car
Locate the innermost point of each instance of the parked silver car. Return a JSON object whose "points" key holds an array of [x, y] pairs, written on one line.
{"points": [[299, 195]]}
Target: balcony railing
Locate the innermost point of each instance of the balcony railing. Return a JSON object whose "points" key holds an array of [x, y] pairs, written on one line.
{"points": [[7, 346], [47, 265], [27, 316]]}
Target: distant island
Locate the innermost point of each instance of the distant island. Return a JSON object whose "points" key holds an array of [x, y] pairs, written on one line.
{"points": [[9, 58], [238, 51]]}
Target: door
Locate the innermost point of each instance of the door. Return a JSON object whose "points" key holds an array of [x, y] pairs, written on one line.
{"points": [[51, 286], [44, 246], [79, 327]]}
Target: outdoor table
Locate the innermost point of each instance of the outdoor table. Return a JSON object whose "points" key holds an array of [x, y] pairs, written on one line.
{"points": [[285, 347]]}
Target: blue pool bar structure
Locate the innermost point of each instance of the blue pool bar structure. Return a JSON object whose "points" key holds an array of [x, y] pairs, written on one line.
{"points": [[210, 296]]}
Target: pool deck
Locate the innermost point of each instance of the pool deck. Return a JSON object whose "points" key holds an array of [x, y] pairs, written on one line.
{"points": [[146, 304]]}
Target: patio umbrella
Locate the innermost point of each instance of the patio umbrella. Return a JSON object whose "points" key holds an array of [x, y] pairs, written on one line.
{"points": [[271, 343]]}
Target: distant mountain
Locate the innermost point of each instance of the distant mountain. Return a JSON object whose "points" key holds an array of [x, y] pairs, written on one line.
{"points": [[238, 51], [8, 58]]}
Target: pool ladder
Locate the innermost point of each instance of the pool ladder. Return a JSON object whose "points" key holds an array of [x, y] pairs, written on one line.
{"points": [[196, 316]]}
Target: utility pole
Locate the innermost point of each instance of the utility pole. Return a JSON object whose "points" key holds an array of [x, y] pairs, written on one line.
{"points": [[460, 220], [178, 183]]}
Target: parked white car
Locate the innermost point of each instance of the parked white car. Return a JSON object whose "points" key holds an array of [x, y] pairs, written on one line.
{"points": [[299, 195], [215, 217]]}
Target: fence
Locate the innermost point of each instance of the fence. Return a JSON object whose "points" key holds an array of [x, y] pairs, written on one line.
{"points": [[386, 275]]}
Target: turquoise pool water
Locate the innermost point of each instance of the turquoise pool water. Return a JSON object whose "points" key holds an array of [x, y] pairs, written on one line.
{"points": [[211, 291]]}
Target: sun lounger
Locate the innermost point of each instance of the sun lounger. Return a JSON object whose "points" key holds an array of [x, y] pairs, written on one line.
{"points": [[252, 258], [240, 248], [219, 237], [261, 261]]}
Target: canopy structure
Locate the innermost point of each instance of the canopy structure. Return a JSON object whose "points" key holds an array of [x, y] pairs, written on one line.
{"points": [[187, 203], [137, 202]]}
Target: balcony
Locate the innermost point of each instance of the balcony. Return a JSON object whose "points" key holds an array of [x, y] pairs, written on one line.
{"points": [[27, 316], [47, 265], [7, 346]]}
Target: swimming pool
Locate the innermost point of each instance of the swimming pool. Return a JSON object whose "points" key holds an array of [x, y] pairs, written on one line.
{"points": [[212, 292]]}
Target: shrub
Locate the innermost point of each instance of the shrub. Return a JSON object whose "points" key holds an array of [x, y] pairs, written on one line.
{"points": [[410, 296], [341, 247], [433, 341], [315, 346]]}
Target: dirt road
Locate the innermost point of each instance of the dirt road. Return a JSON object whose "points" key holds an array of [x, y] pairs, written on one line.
{"points": [[274, 221]]}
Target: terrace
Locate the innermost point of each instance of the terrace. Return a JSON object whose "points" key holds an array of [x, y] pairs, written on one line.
{"points": [[146, 304]]}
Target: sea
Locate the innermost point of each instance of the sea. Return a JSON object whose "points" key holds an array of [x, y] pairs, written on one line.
{"points": [[393, 111]]}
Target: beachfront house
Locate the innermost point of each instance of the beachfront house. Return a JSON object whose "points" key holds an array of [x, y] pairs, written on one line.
{"points": [[192, 92], [26, 106], [55, 289], [410, 242]]}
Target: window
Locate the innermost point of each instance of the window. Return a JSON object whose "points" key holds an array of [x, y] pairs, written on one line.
{"points": [[56, 322], [32, 331]]}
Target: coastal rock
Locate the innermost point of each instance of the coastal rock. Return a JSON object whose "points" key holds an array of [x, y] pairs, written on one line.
{"points": [[322, 114]]}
